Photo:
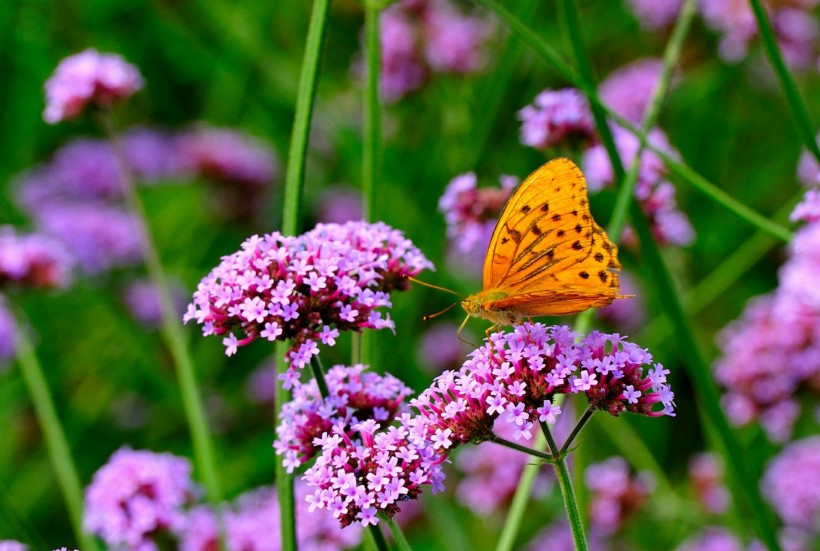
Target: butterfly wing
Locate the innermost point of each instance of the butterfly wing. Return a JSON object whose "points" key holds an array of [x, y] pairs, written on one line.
{"points": [[547, 254]]}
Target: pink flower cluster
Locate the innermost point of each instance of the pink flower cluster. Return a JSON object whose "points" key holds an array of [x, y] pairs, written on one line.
{"points": [[354, 396], [305, 289], [8, 334], [88, 78], [32, 260], [557, 118], [706, 476], [12, 545], [790, 484], [628, 90], [614, 493], [423, 36], [773, 350], [374, 470], [136, 496], [655, 14], [516, 376]]}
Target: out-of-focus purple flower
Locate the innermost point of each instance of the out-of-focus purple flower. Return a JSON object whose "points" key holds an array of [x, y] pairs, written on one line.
{"points": [[626, 315], [88, 78], [12, 545], [790, 484], [517, 375], [8, 334], [153, 155], [557, 118], [455, 43], [706, 475], [654, 193], [252, 524], [355, 396], [471, 212], [615, 493], [99, 236], [143, 302], [374, 470], [440, 348], [655, 14], [339, 204], [558, 537], [712, 539], [401, 65], [305, 289], [32, 260], [260, 386], [795, 28], [808, 210], [627, 90], [137, 496], [491, 472], [808, 170]]}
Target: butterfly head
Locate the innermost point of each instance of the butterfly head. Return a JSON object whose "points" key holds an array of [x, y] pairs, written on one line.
{"points": [[480, 305]]}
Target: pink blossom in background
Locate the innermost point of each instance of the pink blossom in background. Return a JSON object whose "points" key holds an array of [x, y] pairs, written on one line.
{"points": [[339, 204], [790, 485], [12, 545], [8, 334], [627, 314], [713, 539], [441, 347], [655, 14], [260, 386], [142, 300], [401, 64], [557, 118], [138, 496], [558, 537], [88, 78], [33, 260], [628, 90], [808, 210], [455, 43], [153, 155], [615, 493], [706, 473], [808, 170]]}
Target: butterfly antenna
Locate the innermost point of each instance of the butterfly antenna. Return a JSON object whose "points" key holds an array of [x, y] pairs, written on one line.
{"points": [[414, 280], [437, 314]]}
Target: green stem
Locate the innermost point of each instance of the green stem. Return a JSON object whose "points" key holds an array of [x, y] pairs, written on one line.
{"points": [[61, 461], [284, 480], [319, 375], [518, 447], [371, 155], [587, 415], [377, 537], [562, 473], [800, 112], [171, 328], [398, 535]]}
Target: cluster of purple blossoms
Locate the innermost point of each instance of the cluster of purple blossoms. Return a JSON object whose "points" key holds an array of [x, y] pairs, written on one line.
{"points": [[88, 78], [794, 24], [517, 376], [772, 351], [471, 212], [32, 260], [628, 90], [251, 524], [354, 396], [423, 36], [655, 14], [706, 475], [8, 334], [376, 469], [790, 485], [143, 301], [713, 538], [558, 537], [557, 118], [137, 496], [305, 289], [615, 493]]}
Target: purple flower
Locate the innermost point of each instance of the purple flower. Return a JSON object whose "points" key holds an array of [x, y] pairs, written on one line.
{"points": [[11, 545], [438, 349], [8, 334], [808, 171], [401, 66], [558, 537], [374, 470], [628, 90], [626, 315], [88, 78], [790, 484], [137, 496], [557, 118], [361, 263], [354, 397], [454, 43], [32, 260], [519, 373], [808, 210], [615, 493], [655, 14], [712, 539], [339, 204], [706, 475], [143, 301], [153, 154], [260, 386]]}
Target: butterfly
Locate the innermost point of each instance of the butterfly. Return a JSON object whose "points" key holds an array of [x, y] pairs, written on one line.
{"points": [[547, 255]]}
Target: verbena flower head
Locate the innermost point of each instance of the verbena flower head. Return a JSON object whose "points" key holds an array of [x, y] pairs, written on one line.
{"points": [[517, 375], [402, 70], [557, 118], [305, 289], [252, 524], [136, 496], [88, 79], [375, 470], [455, 43], [627, 90], [12, 545], [355, 396], [615, 493], [808, 210], [790, 484], [32, 260], [706, 476], [153, 154], [808, 170], [8, 334], [712, 538], [655, 14]]}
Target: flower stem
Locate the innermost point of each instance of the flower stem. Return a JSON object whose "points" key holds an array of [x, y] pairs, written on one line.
{"points": [[171, 328], [519, 447], [61, 461], [319, 375], [371, 154], [398, 535], [377, 537], [559, 464], [577, 429]]}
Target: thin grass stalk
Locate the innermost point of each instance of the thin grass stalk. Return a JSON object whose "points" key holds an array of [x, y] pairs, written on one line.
{"points": [[534, 41], [291, 222], [59, 453], [204, 454], [800, 112]]}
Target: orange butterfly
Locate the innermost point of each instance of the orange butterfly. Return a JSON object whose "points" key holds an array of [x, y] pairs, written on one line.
{"points": [[547, 256]]}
